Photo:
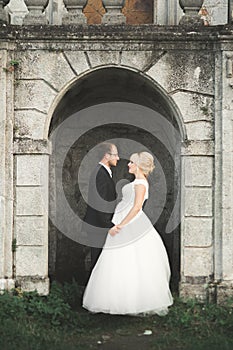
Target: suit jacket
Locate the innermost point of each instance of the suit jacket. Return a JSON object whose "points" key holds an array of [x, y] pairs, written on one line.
{"points": [[101, 205]]}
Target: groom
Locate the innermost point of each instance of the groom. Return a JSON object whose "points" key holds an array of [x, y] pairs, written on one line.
{"points": [[101, 200]]}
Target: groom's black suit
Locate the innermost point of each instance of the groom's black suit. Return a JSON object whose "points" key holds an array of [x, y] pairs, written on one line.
{"points": [[101, 205]]}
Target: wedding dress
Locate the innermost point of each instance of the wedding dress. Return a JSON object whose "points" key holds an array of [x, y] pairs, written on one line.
{"points": [[132, 273]]}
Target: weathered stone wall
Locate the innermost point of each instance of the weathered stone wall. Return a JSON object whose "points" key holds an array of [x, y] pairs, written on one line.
{"points": [[191, 74]]}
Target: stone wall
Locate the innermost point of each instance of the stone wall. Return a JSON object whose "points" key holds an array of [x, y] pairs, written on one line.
{"points": [[188, 73]]}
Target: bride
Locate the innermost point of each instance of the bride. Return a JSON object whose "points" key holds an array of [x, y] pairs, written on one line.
{"points": [[131, 276]]}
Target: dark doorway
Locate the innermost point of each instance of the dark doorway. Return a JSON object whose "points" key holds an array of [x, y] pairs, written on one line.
{"points": [[112, 87]]}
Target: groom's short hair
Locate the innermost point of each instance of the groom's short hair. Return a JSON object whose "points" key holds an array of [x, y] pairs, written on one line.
{"points": [[103, 148]]}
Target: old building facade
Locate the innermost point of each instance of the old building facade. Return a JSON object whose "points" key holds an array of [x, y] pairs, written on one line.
{"points": [[147, 74]]}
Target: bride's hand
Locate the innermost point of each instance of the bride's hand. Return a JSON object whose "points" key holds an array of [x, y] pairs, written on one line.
{"points": [[114, 230]]}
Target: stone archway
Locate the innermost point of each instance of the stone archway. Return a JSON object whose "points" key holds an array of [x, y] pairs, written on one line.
{"points": [[110, 86]]}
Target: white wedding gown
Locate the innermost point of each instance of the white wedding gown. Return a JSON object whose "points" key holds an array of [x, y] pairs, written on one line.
{"points": [[132, 273]]}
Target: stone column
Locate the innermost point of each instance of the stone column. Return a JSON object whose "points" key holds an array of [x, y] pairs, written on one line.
{"points": [[75, 14], [191, 9], [113, 13], [6, 171], [31, 215], [36, 15]]}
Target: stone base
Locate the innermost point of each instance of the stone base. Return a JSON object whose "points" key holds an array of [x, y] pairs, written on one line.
{"points": [[213, 292], [187, 20], [33, 283], [74, 19], [200, 292], [224, 291], [113, 19], [31, 20], [7, 284]]}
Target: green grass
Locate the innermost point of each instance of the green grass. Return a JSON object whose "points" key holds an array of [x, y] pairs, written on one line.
{"points": [[57, 321]]}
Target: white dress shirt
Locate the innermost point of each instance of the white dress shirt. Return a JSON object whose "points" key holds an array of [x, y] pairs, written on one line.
{"points": [[107, 168]]}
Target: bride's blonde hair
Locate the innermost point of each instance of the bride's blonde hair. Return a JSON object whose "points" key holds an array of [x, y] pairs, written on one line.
{"points": [[144, 160]]}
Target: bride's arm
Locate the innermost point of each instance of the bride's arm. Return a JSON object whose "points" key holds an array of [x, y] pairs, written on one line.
{"points": [[138, 202]]}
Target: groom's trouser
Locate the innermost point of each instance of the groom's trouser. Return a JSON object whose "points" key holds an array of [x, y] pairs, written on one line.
{"points": [[95, 253], [96, 242]]}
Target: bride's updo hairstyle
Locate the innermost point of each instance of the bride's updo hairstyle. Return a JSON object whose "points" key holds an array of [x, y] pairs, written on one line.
{"points": [[145, 161]]}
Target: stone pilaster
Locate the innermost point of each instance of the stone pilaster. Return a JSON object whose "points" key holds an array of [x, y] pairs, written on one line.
{"points": [[224, 185], [6, 171], [31, 215], [197, 224]]}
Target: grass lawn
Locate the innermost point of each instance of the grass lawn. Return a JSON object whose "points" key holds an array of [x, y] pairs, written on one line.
{"points": [[57, 321]]}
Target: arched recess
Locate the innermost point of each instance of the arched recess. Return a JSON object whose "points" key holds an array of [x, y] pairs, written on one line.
{"points": [[111, 87]]}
